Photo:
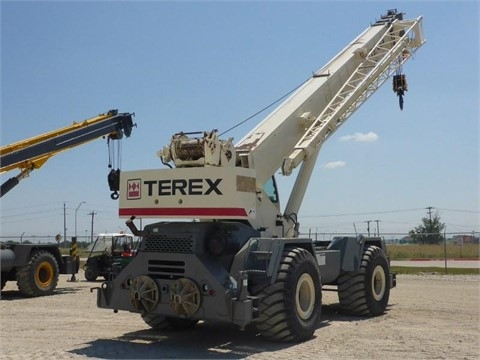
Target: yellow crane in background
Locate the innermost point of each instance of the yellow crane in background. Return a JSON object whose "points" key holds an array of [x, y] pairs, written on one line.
{"points": [[30, 154]]}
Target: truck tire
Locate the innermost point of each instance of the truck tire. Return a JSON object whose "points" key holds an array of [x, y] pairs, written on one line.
{"points": [[91, 273], [3, 280], [160, 322], [39, 276], [366, 292], [290, 309]]}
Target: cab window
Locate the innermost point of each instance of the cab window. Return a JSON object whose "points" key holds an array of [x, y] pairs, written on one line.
{"points": [[270, 188]]}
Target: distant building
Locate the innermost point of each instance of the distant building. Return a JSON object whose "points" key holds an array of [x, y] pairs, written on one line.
{"points": [[465, 239]]}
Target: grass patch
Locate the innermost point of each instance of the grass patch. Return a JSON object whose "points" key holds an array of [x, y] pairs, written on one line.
{"points": [[415, 251], [433, 270]]}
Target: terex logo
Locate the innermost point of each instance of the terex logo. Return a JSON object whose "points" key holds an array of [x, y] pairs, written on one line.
{"points": [[183, 187], [134, 189]]}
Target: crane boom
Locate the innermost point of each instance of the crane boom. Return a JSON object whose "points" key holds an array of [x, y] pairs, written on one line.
{"points": [[305, 120], [214, 179], [30, 154], [395, 46]]}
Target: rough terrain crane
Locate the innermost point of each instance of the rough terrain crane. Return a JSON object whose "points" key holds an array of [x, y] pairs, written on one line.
{"points": [[241, 260], [36, 267]]}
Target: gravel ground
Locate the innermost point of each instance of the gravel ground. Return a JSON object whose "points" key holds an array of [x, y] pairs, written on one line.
{"points": [[429, 317]]}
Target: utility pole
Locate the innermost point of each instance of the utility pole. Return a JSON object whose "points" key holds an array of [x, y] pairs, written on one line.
{"points": [[429, 208], [92, 213], [64, 224], [368, 226], [378, 230]]}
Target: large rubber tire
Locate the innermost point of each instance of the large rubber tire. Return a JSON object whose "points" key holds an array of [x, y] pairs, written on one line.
{"points": [[366, 292], [290, 309], [91, 273], [3, 280], [160, 322], [39, 276]]}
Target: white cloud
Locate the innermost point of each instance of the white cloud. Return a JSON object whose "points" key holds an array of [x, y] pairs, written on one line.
{"points": [[360, 137], [334, 165]]}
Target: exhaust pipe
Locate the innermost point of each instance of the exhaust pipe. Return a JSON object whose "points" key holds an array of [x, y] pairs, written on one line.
{"points": [[133, 228]]}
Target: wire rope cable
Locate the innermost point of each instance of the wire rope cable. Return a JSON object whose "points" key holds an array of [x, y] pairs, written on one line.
{"points": [[263, 109]]}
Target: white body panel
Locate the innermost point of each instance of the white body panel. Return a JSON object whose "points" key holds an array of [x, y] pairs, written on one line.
{"points": [[195, 192]]}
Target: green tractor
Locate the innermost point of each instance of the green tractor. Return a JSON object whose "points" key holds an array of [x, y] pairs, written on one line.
{"points": [[109, 254]]}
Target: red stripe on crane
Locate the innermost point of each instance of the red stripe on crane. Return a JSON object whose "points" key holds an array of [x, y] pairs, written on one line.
{"points": [[166, 212]]}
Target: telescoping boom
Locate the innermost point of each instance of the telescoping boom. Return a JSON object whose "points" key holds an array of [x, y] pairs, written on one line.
{"points": [[30, 154]]}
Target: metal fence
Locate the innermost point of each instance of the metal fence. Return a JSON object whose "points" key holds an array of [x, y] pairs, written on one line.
{"points": [[392, 238]]}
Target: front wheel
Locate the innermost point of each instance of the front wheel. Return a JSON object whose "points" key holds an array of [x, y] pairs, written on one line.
{"points": [[91, 273], [366, 292], [39, 276], [290, 308]]}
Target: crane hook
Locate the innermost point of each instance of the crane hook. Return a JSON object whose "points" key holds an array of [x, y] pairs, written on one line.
{"points": [[114, 183], [400, 86], [400, 94]]}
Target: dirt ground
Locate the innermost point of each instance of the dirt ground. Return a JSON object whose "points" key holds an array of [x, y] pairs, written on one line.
{"points": [[429, 317]]}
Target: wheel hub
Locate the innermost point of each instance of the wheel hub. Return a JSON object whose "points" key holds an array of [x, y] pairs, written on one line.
{"points": [[144, 294], [184, 297], [44, 274], [378, 283], [305, 296]]}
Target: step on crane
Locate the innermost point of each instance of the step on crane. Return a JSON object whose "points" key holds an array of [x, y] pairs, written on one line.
{"points": [[240, 258], [30, 154]]}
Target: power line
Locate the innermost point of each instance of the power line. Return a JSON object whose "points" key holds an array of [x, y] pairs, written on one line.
{"points": [[458, 210], [23, 220], [29, 206], [363, 213], [29, 213]]}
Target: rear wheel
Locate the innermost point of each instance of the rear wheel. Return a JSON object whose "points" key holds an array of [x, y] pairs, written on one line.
{"points": [[290, 308], [39, 276], [366, 292], [160, 322]]}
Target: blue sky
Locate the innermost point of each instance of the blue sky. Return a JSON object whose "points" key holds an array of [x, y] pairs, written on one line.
{"points": [[194, 66]]}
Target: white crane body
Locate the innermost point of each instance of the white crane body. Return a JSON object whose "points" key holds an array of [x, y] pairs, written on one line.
{"points": [[239, 254], [291, 134]]}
